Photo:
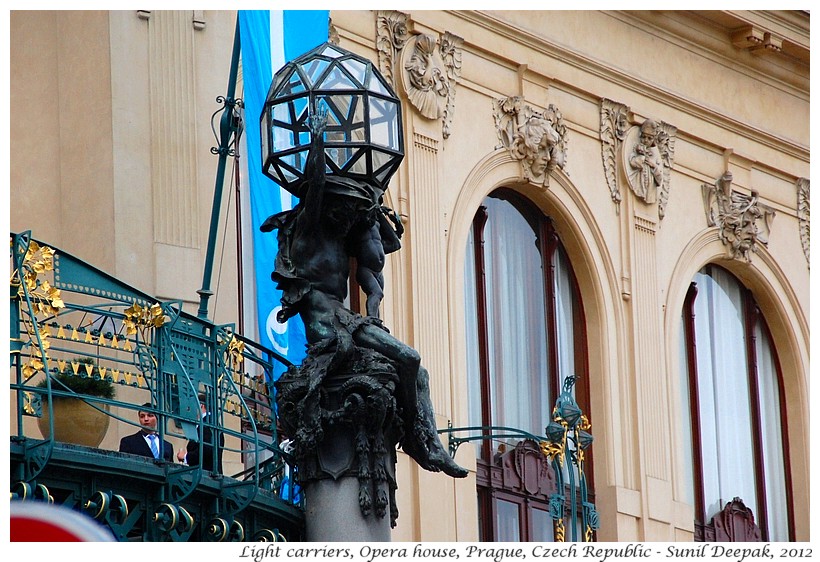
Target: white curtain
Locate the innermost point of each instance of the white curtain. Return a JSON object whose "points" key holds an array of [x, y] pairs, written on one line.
{"points": [[725, 406], [723, 392], [515, 320], [773, 465], [564, 318]]}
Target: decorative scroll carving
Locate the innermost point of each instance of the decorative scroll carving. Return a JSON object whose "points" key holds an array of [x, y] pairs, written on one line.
{"points": [[614, 125], [391, 36], [803, 215], [450, 49], [742, 220], [429, 66], [648, 163], [537, 139], [736, 523]]}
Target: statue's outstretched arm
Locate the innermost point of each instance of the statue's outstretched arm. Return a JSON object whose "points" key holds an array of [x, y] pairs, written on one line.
{"points": [[315, 172]]}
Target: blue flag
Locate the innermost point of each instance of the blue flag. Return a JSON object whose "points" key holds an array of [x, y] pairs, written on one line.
{"points": [[269, 39]]}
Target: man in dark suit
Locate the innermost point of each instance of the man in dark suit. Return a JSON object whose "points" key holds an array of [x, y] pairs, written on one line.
{"points": [[146, 442], [190, 454]]}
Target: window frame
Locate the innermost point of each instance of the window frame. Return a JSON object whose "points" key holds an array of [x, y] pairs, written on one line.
{"points": [[548, 243], [752, 318]]}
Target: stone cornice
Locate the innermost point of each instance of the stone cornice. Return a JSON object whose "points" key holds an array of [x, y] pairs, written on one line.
{"points": [[502, 28]]}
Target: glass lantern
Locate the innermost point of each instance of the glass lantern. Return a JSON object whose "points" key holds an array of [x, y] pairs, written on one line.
{"points": [[363, 139]]}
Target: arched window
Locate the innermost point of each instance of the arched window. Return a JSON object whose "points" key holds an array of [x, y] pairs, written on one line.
{"points": [[526, 334], [735, 422]]}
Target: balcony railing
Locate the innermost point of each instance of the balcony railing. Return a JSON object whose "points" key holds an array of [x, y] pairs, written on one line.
{"points": [[75, 329]]}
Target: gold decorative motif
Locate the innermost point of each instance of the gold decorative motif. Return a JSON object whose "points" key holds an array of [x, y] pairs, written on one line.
{"points": [[46, 300], [141, 319], [558, 530]]}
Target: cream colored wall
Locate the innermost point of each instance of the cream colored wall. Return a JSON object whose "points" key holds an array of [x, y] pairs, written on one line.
{"points": [[733, 111]]}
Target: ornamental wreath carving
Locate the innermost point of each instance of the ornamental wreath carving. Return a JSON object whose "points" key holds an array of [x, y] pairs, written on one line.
{"points": [[428, 66], [743, 221], [537, 139]]}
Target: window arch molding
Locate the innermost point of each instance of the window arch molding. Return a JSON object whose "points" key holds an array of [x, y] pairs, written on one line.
{"points": [[598, 287], [789, 330]]}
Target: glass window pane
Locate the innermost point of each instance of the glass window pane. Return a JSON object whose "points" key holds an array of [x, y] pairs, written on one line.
{"points": [[516, 321], [329, 51], [723, 392], [772, 437], [508, 521], [384, 123], [357, 69], [314, 69], [376, 85], [542, 526], [291, 85], [337, 80]]}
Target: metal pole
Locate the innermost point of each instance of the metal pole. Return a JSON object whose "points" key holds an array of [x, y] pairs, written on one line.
{"points": [[227, 128]]}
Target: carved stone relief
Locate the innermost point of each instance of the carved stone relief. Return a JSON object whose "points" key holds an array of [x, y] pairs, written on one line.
{"points": [[803, 215], [332, 33], [647, 151], [428, 66], [614, 125], [537, 139], [743, 222], [648, 155]]}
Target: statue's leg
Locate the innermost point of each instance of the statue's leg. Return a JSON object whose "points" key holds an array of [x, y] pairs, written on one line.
{"points": [[421, 439]]}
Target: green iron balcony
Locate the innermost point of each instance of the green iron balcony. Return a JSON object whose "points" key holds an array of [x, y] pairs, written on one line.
{"points": [[81, 336]]}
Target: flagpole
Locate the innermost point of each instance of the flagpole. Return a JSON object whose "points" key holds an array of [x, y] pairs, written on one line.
{"points": [[229, 124]]}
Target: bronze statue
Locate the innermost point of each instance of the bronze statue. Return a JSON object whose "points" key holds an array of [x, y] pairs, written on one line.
{"points": [[335, 219]]}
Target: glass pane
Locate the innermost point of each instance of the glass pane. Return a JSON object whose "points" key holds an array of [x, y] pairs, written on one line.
{"points": [[360, 165], [292, 85], [723, 392], [340, 156], [384, 123], [565, 306], [516, 321], [274, 173], [314, 69], [331, 52], [264, 131], [281, 113], [474, 417], [542, 526], [289, 176], [507, 521], [296, 161], [337, 80], [772, 437], [376, 85], [380, 159], [384, 175], [357, 69]]}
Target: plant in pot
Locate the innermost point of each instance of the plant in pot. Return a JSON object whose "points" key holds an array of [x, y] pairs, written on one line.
{"points": [[76, 421]]}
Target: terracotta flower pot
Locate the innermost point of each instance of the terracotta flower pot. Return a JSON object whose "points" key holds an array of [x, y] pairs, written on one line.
{"points": [[76, 422]]}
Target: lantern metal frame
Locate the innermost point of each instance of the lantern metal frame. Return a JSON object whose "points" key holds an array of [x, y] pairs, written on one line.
{"points": [[364, 138]]}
